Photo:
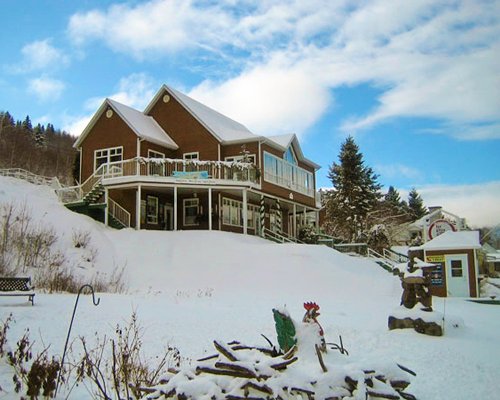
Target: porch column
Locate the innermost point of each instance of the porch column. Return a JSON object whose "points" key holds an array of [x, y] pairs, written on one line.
{"points": [[305, 216], [175, 208], [278, 216], [106, 210], [317, 221], [262, 212], [245, 211], [209, 208], [294, 220], [138, 208]]}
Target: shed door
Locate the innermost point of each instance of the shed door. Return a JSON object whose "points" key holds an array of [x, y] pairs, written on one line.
{"points": [[457, 275]]}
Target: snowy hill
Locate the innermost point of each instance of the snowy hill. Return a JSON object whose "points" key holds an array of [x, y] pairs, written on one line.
{"points": [[189, 288]]}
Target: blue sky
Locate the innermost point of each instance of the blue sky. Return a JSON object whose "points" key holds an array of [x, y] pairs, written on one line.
{"points": [[416, 83]]}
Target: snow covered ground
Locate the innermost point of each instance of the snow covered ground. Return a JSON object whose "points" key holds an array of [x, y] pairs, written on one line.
{"points": [[189, 288]]}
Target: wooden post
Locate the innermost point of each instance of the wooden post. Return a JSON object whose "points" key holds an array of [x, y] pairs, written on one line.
{"points": [[245, 211], [106, 209], [175, 208], [209, 208], [138, 208]]}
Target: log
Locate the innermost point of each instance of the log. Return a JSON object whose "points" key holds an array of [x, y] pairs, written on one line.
{"points": [[208, 358], [372, 393], [235, 367], [260, 388], [407, 396], [225, 352], [284, 364], [406, 369], [289, 354], [235, 374], [353, 384]]}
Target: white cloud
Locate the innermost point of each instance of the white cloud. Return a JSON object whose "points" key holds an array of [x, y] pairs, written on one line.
{"points": [[397, 170], [270, 99], [46, 89], [431, 59], [40, 55], [135, 90], [478, 203]]}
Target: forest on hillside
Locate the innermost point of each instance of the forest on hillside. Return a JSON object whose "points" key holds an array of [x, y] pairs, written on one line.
{"points": [[41, 149]]}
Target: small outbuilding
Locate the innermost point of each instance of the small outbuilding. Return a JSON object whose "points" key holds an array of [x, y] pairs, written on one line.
{"points": [[454, 255]]}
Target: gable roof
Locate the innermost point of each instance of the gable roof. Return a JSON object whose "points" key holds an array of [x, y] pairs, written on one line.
{"points": [[142, 125], [450, 240], [290, 139], [224, 129]]}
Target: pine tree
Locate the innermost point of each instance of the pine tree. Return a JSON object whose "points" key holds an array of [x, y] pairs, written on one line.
{"points": [[416, 205], [39, 135], [26, 124], [355, 193]]}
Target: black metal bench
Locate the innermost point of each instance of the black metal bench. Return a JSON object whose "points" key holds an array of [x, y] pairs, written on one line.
{"points": [[17, 287]]}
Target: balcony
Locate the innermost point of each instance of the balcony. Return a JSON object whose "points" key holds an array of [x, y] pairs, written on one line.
{"points": [[178, 170]]}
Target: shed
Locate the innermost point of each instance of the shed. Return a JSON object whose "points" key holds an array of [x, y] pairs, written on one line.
{"points": [[454, 255]]}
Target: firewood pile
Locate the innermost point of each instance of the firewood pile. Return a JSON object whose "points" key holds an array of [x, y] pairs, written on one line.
{"points": [[236, 371]]}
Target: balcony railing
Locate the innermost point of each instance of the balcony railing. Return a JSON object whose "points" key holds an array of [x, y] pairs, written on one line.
{"points": [[181, 169]]}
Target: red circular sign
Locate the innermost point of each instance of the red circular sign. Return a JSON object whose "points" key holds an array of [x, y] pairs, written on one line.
{"points": [[439, 227]]}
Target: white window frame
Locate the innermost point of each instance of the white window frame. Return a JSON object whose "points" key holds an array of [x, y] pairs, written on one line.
{"points": [[292, 152], [106, 154], [155, 154], [282, 173], [194, 155], [232, 213], [152, 218], [240, 157], [185, 206]]}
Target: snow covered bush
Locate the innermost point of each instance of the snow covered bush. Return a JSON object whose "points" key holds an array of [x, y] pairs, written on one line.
{"points": [[307, 234]]}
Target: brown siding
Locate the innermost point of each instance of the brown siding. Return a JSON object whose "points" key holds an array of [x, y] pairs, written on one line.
{"points": [[232, 150], [282, 192], [126, 199], [107, 132], [145, 146], [189, 134]]}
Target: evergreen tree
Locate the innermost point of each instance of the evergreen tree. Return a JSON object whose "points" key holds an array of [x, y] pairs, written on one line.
{"points": [[355, 193], [26, 124], [416, 205], [39, 135]]}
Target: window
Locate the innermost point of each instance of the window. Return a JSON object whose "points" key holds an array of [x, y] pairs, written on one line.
{"points": [[190, 207], [456, 268], [156, 168], [110, 155], [191, 156], [155, 154], [250, 157], [290, 156], [232, 213], [282, 173], [152, 210]]}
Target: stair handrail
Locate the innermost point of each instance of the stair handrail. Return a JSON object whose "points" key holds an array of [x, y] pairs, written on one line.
{"points": [[119, 213], [395, 256], [269, 234], [376, 255], [29, 176]]}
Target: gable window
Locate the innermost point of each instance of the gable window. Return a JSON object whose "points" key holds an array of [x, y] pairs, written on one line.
{"points": [[155, 154], [290, 156], [152, 210], [250, 158], [190, 208], [106, 156], [191, 156]]}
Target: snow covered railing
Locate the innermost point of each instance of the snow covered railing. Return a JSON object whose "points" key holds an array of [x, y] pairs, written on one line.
{"points": [[119, 213], [381, 260], [394, 256], [279, 237], [20, 173], [180, 169]]}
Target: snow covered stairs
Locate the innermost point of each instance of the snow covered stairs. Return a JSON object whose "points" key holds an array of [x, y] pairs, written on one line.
{"points": [[94, 194], [385, 262]]}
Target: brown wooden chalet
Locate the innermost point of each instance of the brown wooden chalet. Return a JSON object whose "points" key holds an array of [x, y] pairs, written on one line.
{"points": [[180, 165]]}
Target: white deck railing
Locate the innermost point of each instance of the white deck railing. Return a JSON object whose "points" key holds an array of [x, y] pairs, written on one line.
{"points": [[119, 213], [31, 177]]}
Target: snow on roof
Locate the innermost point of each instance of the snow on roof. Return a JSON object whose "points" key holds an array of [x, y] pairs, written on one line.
{"points": [[454, 240], [143, 125], [283, 140], [223, 128]]}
